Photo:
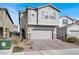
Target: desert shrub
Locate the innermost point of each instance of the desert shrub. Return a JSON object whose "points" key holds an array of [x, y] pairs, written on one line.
{"points": [[18, 49], [64, 39], [72, 40]]}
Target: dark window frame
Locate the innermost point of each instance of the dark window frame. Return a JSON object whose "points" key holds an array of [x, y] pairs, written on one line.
{"points": [[65, 21], [46, 17]]}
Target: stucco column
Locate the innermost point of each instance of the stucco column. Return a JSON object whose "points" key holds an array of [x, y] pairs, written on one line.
{"points": [[55, 33]]}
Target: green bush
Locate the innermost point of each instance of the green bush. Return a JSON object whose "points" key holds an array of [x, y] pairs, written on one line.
{"points": [[72, 40], [18, 49]]}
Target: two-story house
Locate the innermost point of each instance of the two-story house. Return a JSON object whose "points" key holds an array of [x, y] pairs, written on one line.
{"points": [[41, 22], [6, 23], [68, 27]]}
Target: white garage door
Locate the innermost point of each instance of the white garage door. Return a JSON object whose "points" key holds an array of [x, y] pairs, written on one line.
{"points": [[41, 34], [75, 34]]}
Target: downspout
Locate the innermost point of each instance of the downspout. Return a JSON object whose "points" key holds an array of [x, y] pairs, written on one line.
{"points": [[37, 16]]}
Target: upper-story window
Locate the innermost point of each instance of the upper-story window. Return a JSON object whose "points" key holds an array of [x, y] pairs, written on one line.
{"points": [[33, 13], [53, 16], [65, 21], [46, 16]]}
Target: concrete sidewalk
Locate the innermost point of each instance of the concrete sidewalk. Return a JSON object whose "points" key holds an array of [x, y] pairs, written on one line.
{"points": [[8, 52], [74, 51], [5, 52]]}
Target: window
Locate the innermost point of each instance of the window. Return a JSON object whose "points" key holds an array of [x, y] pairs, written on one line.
{"points": [[33, 12], [53, 16], [46, 17], [65, 21]]}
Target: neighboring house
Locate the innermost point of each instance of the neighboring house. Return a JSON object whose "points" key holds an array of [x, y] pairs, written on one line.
{"points": [[65, 20], [41, 22], [6, 23], [69, 30], [67, 27]]}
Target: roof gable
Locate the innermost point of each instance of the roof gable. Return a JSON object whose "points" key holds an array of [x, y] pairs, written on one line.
{"points": [[7, 14], [50, 6], [68, 17], [44, 7]]}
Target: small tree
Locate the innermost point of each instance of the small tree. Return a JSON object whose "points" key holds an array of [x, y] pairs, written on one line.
{"points": [[15, 40]]}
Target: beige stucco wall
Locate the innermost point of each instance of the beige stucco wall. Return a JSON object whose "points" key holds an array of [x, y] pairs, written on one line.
{"points": [[41, 20], [32, 19], [21, 20], [50, 11]]}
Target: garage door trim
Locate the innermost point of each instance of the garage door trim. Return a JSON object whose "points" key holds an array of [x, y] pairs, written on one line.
{"points": [[45, 30]]}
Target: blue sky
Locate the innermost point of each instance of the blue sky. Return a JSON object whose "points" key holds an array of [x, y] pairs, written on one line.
{"points": [[69, 9]]}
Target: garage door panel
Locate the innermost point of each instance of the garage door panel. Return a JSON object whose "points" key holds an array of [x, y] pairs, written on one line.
{"points": [[75, 34], [41, 34]]}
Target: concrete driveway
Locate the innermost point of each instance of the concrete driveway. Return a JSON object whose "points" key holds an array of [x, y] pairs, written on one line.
{"points": [[47, 47], [52, 47]]}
